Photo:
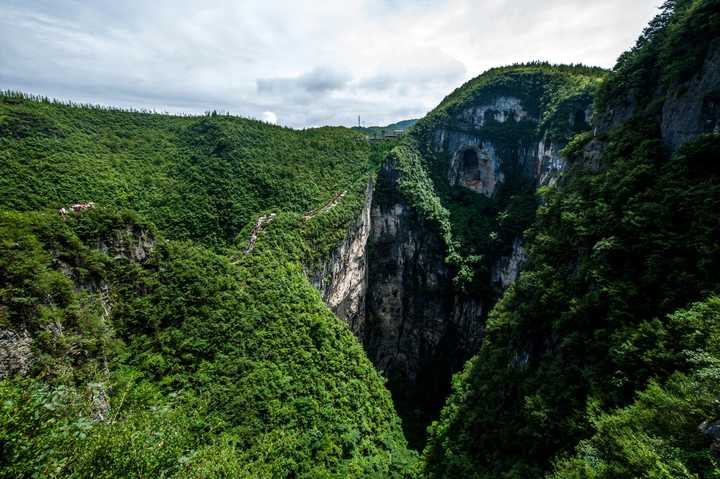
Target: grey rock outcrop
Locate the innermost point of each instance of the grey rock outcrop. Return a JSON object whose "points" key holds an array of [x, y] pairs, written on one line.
{"points": [[693, 108], [620, 112], [418, 329], [389, 281], [17, 347], [506, 269], [711, 430], [15, 353], [690, 108], [549, 163], [99, 401], [500, 109], [342, 279], [481, 164], [476, 166], [130, 243]]}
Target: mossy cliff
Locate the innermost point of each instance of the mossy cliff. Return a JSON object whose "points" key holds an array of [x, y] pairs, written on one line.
{"points": [[168, 283]]}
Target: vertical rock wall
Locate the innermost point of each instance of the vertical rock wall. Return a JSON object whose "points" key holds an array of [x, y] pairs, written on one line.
{"points": [[389, 279], [693, 108], [418, 329], [342, 280]]}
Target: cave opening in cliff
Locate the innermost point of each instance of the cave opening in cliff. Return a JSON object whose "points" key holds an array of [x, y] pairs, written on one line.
{"points": [[579, 122], [471, 165]]}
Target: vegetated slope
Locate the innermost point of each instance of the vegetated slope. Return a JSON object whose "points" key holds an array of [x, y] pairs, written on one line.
{"points": [[135, 350], [381, 131], [449, 209], [586, 361], [553, 102], [198, 178]]}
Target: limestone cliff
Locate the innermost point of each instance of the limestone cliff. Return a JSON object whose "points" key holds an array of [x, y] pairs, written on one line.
{"points": [[342, 279], [505, 270], [419, 329], [391, 279], [480, 162], [693, 108], [689, 107], [112, 242]]}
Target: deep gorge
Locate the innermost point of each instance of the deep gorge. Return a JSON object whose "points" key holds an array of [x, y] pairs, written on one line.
{"points": [[522, 284], [390, 279]]}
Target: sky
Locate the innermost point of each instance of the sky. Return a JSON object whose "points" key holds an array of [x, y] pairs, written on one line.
{"points": [[298, 63]]}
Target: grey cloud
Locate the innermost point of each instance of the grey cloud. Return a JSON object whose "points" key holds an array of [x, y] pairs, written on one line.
{"points": [[318, 80], [322, 80], [380, 81]]}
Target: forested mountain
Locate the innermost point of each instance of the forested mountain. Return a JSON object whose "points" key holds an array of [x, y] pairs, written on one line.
{"points": [[460, 190], [601, 359], [181, 347], [391, 130], [210, 296]]}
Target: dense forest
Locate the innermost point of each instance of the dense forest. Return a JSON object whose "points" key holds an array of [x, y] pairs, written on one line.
{"points": [[158, 316], [601, 360], [150, 343]]}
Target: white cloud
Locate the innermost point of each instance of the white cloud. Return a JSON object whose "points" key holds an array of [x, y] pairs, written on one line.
{"points": [[270, 117], [309, 62]]}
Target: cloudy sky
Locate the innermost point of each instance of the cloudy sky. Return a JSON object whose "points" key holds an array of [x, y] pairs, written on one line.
{"points": [[296, 62]]}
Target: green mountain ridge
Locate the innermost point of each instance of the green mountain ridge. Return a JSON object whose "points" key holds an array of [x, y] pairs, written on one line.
{"points": [[389, 131]]}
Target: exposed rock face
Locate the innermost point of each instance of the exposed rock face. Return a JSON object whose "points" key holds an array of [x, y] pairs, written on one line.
{"points": [[15, 353], [592, 154], [418, 329], [389, 279], [100, 403], [342, 280], [405, 259], [506, 270], [372, 280], [481, 164], [494, 162], [476, 167], [690, 108], [131, 243], [501, 109], [549, 163], [711, 430], [619, 113], [694, 108]]}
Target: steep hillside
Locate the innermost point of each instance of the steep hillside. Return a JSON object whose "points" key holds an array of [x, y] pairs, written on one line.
{"points": [[219, 297], [181, 339], [585, 354], [197, 178], [446, 222]]}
